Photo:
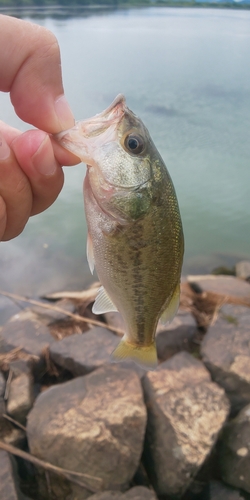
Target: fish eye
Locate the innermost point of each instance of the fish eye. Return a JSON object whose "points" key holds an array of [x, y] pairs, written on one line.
{"points": [[134, 144]]}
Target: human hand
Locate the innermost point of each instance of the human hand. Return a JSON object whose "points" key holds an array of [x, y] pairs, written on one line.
{"points": [[31, 176]]}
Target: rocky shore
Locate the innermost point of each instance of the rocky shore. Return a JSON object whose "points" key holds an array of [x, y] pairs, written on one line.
{"points": [[74, 426]]}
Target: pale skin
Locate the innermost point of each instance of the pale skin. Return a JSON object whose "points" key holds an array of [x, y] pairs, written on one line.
{"points": [[31, 175]]}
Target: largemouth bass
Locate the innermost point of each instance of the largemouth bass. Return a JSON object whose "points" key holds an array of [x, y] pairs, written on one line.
{"points": [[135, 237]]}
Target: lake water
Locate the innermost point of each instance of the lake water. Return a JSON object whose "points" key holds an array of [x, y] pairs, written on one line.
{"points": [[186, 73]]}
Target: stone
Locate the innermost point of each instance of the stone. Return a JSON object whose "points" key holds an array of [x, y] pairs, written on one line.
{"points": [[49, 316], [21, 397], [225, 285], [29, 334], [9, 487], [242, 269], [135, 493], [186, 411], [225, 351], [2, 384], [84, 353], [94, 424], [177, 336], [219, 491], [234, 451]]}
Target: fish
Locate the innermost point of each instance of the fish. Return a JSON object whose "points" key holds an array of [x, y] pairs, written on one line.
{"points": [[135, 237]]}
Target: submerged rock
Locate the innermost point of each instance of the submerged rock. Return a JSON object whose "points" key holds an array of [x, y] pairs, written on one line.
{"points": [[93, 424], [242, 269], [219, 491], [186, 411], [21, 397], [235, 451], [226, 353]]}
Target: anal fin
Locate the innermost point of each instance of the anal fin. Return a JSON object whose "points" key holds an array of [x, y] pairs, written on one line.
{"points": [[103, 303], [172, 307]]}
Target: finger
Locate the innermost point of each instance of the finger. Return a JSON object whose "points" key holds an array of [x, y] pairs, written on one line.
{"points": [[31, 72], [35, 155], [15, 194]]}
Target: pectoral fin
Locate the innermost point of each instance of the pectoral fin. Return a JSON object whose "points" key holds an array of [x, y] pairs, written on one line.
{"points": [[172, 307], [90, 254], [103, 303], [145, 357]]}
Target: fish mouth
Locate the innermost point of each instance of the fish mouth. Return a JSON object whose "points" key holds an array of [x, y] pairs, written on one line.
{"points": [[87, 135]]}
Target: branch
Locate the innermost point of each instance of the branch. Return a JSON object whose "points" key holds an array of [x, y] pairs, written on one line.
{"points": [[68, 474]]}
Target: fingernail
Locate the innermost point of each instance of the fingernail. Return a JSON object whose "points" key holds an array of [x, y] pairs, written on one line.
{"points": [[64, 113], [4, 148], [42, 159]]}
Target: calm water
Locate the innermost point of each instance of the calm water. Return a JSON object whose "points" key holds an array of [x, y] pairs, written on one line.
{"points": [[186, 73]]}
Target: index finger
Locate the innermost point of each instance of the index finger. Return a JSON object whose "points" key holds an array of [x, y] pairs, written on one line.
{"points": [[31, 71]]}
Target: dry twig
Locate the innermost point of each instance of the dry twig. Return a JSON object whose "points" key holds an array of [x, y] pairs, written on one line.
{"points": [[75, 477], [76, 317]]}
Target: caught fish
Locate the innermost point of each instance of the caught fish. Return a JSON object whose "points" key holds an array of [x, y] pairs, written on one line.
{"points": [[135, 238]]}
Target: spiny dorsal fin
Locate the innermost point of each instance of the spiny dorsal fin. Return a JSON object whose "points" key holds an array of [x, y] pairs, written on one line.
{"points": [[172, 308], [103, 303]]}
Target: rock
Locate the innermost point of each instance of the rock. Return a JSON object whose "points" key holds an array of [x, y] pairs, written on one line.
{"points": [[93, 424], [136, 493], [186, 411], [242, 269], [49, 316], [2, 384], [225, 285], [218, 491], [234, 451], [84, 353], [29, 334], [177, 336], [9, 433], [225, 351], [115, 319], [9, 486], [21, 397]]}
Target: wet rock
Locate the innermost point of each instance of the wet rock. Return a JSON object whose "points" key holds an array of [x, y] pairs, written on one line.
{"points": [[21, 397], [136, 493], [9, 486], [93, 424], [226, 353], [177, 336], [235, 451], [219, 491], [115, 319], [186, 411], [84, 353], [242, 269], [225, 285], [29, 334], [49, 316]]}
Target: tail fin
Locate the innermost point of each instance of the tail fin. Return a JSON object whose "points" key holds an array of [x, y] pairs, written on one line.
{"points": [[145, 357]]}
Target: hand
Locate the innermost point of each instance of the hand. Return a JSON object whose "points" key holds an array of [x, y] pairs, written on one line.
{"points": [[31, 176]]}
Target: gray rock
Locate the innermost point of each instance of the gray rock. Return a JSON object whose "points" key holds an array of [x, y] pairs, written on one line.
{"points": [[9, 433], [177, 336], [136, 493], [84, 353], [49, 316], [2, 384], [225, 285], [30, 334], [21, 397], [9, 487], [93, 424], [186, 411], [226, 353], [234, 451], [242, 269], [219, 491]]}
